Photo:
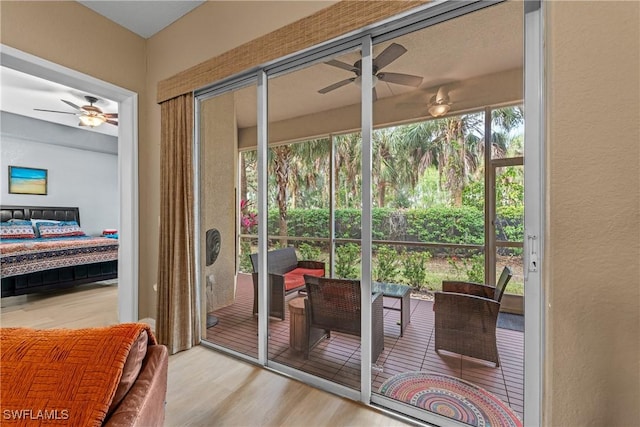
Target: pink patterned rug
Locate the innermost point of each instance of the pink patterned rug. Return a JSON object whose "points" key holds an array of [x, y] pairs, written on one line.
{"points": [[450, 397]]}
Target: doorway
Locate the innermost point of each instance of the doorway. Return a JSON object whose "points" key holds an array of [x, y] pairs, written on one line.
{"points": [[127, 162]]}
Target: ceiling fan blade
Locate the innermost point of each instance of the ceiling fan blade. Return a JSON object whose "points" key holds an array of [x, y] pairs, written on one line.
{"points": [[401, 79], [390, 54], [111, 115], [71, 104], [342, 65], [112, 122], [54, 111], [336, 85]]}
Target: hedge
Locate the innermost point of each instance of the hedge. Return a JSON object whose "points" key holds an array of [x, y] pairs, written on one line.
{"points": [[442, 224]]}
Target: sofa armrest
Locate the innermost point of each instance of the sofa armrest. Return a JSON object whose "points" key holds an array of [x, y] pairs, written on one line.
{"points": [[144, 404]]}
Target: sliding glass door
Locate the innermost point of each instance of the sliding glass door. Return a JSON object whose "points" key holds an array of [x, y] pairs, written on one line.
{"points": [[314, 320], [355, 194], [440, 149]]}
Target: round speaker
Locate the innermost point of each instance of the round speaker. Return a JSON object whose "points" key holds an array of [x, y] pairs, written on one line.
{"points": [[213, 245]]}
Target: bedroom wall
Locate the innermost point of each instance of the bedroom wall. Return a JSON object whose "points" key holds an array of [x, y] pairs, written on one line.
{"points": [[76, 177]]}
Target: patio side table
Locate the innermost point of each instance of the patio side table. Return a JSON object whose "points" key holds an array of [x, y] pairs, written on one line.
{"points": [[297, 324], [397, 291], [298, 339]]}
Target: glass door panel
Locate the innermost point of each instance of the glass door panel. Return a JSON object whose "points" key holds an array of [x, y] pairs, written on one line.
{"points": [[434, 89], [311, 328], [227, 220]]}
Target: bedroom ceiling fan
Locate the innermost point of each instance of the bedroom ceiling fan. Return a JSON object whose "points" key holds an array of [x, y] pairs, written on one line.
{"points": [[386, 57], [89, 115]]}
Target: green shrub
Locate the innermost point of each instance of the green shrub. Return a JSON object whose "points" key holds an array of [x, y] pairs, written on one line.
{"points": [[308, 252], [245, 260], [414, 265], [386, 269], [471, 269], [347, 259]]}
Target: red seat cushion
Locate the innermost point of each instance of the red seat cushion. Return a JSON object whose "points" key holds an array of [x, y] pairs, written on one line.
{"points": [[295, 278]]}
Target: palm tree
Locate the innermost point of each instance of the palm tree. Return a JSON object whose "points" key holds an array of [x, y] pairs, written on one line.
{"points": [[347, 170], [281, 163], [248, 164], [309, 168]]}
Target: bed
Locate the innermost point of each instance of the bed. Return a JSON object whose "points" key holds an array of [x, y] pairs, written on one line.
{"points": [[30, 265]]}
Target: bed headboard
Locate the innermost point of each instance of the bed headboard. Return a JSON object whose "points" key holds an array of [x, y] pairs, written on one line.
{"points": [[40, 212]]}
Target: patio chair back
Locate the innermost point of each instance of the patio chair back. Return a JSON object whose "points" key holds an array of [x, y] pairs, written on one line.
{"points": [[505, 276], [334, 304]]}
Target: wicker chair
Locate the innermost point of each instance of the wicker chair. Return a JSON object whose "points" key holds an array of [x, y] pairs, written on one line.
{"points": [[466, 315], [334, 305], [280, 262]]}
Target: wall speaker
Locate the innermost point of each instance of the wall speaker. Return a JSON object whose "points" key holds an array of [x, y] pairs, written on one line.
{"points": [[213, 245]]}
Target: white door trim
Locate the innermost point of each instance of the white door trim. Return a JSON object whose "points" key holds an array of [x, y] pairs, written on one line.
{"points": [[127, 162]]}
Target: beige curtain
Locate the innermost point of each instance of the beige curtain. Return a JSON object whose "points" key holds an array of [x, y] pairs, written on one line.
{"points": [[178, 324]]}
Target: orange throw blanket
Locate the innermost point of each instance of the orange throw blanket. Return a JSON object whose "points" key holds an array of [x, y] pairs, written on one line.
{"points": [[62, 376]]}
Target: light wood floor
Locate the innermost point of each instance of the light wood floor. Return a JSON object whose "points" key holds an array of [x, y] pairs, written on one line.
{"points": [[205, 388]]}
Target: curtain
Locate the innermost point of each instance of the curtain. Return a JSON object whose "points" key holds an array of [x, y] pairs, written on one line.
{"points": [[178, 323]]}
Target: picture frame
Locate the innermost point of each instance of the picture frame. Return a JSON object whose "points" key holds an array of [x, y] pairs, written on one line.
{"points": [[24, 180]]}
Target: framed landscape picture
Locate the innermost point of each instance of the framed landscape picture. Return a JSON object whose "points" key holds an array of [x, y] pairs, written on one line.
{"points": [[27, 180]]}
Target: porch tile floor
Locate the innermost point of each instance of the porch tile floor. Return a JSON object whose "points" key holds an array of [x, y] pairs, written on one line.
{"points": [[338, 358]]}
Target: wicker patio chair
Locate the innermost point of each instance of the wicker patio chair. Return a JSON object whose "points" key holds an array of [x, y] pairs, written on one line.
{"points": [[466, 315], [334, 305]]}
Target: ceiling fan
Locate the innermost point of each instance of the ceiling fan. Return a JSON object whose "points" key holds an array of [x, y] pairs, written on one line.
{"points": [[89, 115], [386, 57], [439, 104]]}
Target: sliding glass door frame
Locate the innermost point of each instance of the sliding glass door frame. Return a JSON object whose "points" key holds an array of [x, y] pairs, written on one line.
{"points": [[430, 14], [221, 88]]}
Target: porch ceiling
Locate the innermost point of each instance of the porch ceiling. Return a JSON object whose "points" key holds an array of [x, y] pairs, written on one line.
{"points": [[482, 43]]}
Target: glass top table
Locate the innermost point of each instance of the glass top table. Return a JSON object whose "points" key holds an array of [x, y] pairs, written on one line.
{"points": [[400, 292]]}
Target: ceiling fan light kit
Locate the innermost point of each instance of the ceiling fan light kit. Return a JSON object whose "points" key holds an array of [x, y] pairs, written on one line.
{"points": [[92, 120], [439, 104], [438, 110], [89, 115]]}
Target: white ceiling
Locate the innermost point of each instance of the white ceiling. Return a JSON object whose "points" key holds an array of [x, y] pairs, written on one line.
{"points": [[21, 93], [144, 18]]}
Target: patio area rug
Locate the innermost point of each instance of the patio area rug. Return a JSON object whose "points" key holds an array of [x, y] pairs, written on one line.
{"points": [[450, 397]]}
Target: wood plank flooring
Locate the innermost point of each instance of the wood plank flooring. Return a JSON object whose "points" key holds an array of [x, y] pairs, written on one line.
{"points": [[205, 388], [338, 359]]}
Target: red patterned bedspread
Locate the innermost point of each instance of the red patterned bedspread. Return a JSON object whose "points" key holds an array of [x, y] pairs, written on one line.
{"points": [[30, 255]]}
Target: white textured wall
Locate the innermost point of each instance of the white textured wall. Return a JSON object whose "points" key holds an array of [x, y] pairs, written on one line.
{"points": [[218, 202], [86, 179], [592, 357]]}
